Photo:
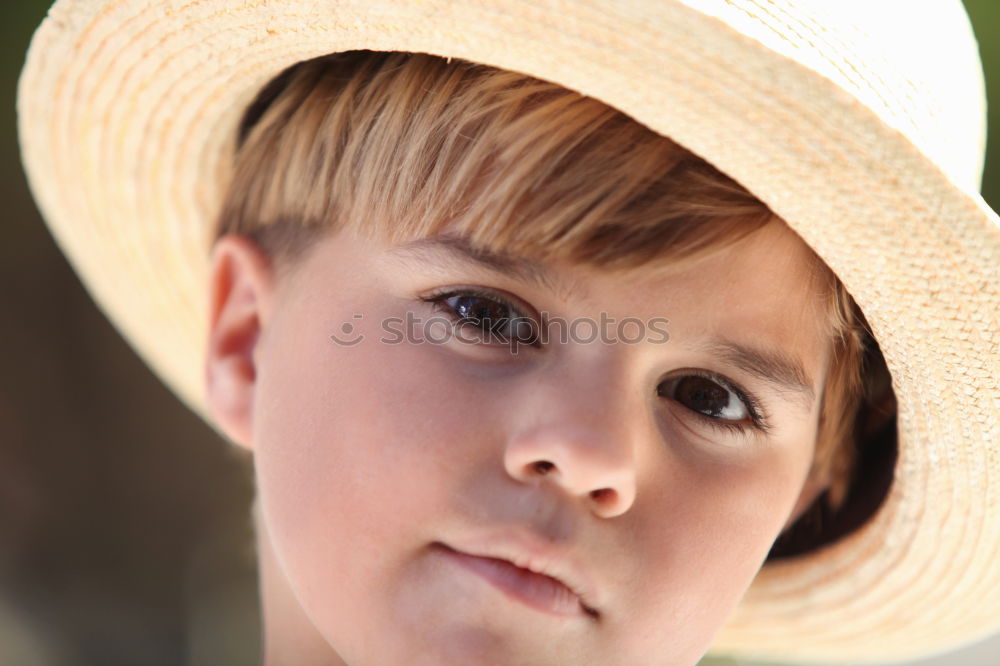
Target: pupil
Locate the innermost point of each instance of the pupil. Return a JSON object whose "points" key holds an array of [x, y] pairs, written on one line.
{"points": [[702, 395], [487, 317]]}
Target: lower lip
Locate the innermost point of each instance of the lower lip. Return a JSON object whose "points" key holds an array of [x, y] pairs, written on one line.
{"points": [[537, 591]]}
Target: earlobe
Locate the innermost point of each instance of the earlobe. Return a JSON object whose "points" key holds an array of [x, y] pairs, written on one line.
{"points": [[240, 295]]}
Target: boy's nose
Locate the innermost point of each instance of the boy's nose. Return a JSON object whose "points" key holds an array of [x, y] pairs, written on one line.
{"points": [[585, 462]]}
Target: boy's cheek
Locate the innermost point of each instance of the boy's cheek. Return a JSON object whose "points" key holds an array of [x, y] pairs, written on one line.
{"points": [[705, 542], [357, 426], [362, 460]]}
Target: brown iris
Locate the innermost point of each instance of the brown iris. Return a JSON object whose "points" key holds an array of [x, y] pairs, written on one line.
{"points": [[702, 395]]}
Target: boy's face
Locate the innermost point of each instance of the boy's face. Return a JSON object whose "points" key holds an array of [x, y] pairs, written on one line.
{"points": [[388, 471]]}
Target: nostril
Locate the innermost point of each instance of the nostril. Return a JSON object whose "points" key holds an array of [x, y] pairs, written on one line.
{"points": [[602, 494], [543, 467]]}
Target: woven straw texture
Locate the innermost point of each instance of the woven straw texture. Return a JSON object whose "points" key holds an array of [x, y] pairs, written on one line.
{"points": [[861, 123]]}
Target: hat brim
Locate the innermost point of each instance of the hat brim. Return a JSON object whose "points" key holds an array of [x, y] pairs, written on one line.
{"points": [[128, 114]]}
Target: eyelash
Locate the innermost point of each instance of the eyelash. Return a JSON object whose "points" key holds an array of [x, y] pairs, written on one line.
{"points": [[758, 423]]}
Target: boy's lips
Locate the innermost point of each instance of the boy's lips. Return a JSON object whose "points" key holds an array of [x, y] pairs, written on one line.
{"points": [[524, 577]]}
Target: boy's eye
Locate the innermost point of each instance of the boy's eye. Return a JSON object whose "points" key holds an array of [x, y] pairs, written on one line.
{"points": [[721, 404], [491, 316]]}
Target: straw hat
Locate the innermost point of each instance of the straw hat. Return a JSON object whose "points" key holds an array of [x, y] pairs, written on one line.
{"points": [[860, 123]]}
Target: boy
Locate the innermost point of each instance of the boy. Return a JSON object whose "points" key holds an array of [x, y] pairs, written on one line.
{"points": [[480, 491], [643, 484]]}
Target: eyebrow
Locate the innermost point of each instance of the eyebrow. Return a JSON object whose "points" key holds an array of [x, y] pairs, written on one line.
{"points": [[462, 254], [775, 367]]}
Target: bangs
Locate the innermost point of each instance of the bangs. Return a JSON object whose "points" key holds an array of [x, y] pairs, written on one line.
{"points": [[400, 146]]}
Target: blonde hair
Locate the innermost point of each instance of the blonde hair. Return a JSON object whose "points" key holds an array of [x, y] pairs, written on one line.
{"points": [[399, 146]]}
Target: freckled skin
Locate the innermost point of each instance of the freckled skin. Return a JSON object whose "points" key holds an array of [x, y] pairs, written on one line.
{"points": [[366, 454]]}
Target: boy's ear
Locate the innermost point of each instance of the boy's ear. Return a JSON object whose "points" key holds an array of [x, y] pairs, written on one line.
{"points": [[240, 296]]}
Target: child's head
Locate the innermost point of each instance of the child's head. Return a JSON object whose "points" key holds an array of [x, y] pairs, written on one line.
{"points": [[651, 475]]}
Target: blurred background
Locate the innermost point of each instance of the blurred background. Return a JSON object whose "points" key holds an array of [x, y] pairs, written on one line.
{"points": [[124, 520]]}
